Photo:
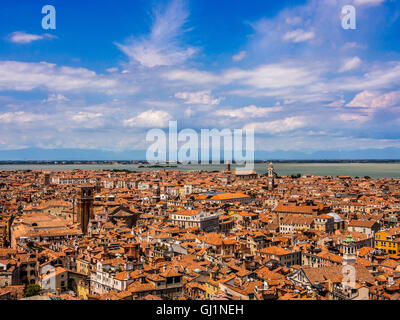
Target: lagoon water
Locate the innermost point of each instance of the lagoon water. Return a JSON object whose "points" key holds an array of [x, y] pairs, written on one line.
{"points": [[374, 170]]}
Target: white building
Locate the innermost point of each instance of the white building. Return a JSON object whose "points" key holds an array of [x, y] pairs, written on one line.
{"points": [[105, 279], [205, 221]]}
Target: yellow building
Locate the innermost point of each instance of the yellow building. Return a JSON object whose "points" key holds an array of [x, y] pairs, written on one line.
{"points": [[83, 266], [324, 223], [387, 241], [182, 191], [83, 290], [212, 288]]}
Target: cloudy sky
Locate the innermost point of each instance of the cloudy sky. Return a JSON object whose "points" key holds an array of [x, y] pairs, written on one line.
{"points": [[112, 70]]}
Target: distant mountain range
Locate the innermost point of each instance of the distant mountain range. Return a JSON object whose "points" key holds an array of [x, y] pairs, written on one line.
{"points": [[38, 154]]}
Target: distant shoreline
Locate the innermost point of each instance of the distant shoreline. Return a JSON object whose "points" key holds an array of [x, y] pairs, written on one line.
{"points": [[354, 168], [145, 163]]}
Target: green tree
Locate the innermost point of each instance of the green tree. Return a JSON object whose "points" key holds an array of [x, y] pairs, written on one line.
{"points": [[32, 290]]}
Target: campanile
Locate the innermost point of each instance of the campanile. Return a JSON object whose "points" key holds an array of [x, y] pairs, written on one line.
{"points": [[85, 198]]}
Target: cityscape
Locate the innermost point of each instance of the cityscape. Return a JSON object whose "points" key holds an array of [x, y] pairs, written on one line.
{"points": [[199, 154], [198, 235]]}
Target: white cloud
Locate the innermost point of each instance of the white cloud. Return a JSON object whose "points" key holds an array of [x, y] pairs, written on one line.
{"points": [[112, 70], [277, 126], [149, 119], [23, 38], [337, 103], [352, 45], [161, 47], [368, 2], [380, 76], [56, 97], [88, 119], [20, 117], [289, 101], [200, 97], [251, 111], [271, 76], [159, 103], [362, 99], [274, 75], [375, 99], [25, 76], [350, 64], [389, 99], [292, 21], [240, 56], [86, 116], [298, 35], [288, 80], [353, 117], [191, 76]]}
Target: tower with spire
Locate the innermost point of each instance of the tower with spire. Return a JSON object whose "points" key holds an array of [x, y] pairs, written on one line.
{"points": [[271, 177], [349, 251]]}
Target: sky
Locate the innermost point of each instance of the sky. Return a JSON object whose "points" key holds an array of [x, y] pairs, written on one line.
{"points": [[113, 70]]}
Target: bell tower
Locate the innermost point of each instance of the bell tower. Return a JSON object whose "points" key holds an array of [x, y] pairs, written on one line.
{"points": [[98, 184], [349, 251], [156, 192], [271, 177], [85, 198], [227, 166]]}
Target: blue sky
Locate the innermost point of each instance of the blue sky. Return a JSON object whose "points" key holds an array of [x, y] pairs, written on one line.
{"points": [[112, 70]]}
